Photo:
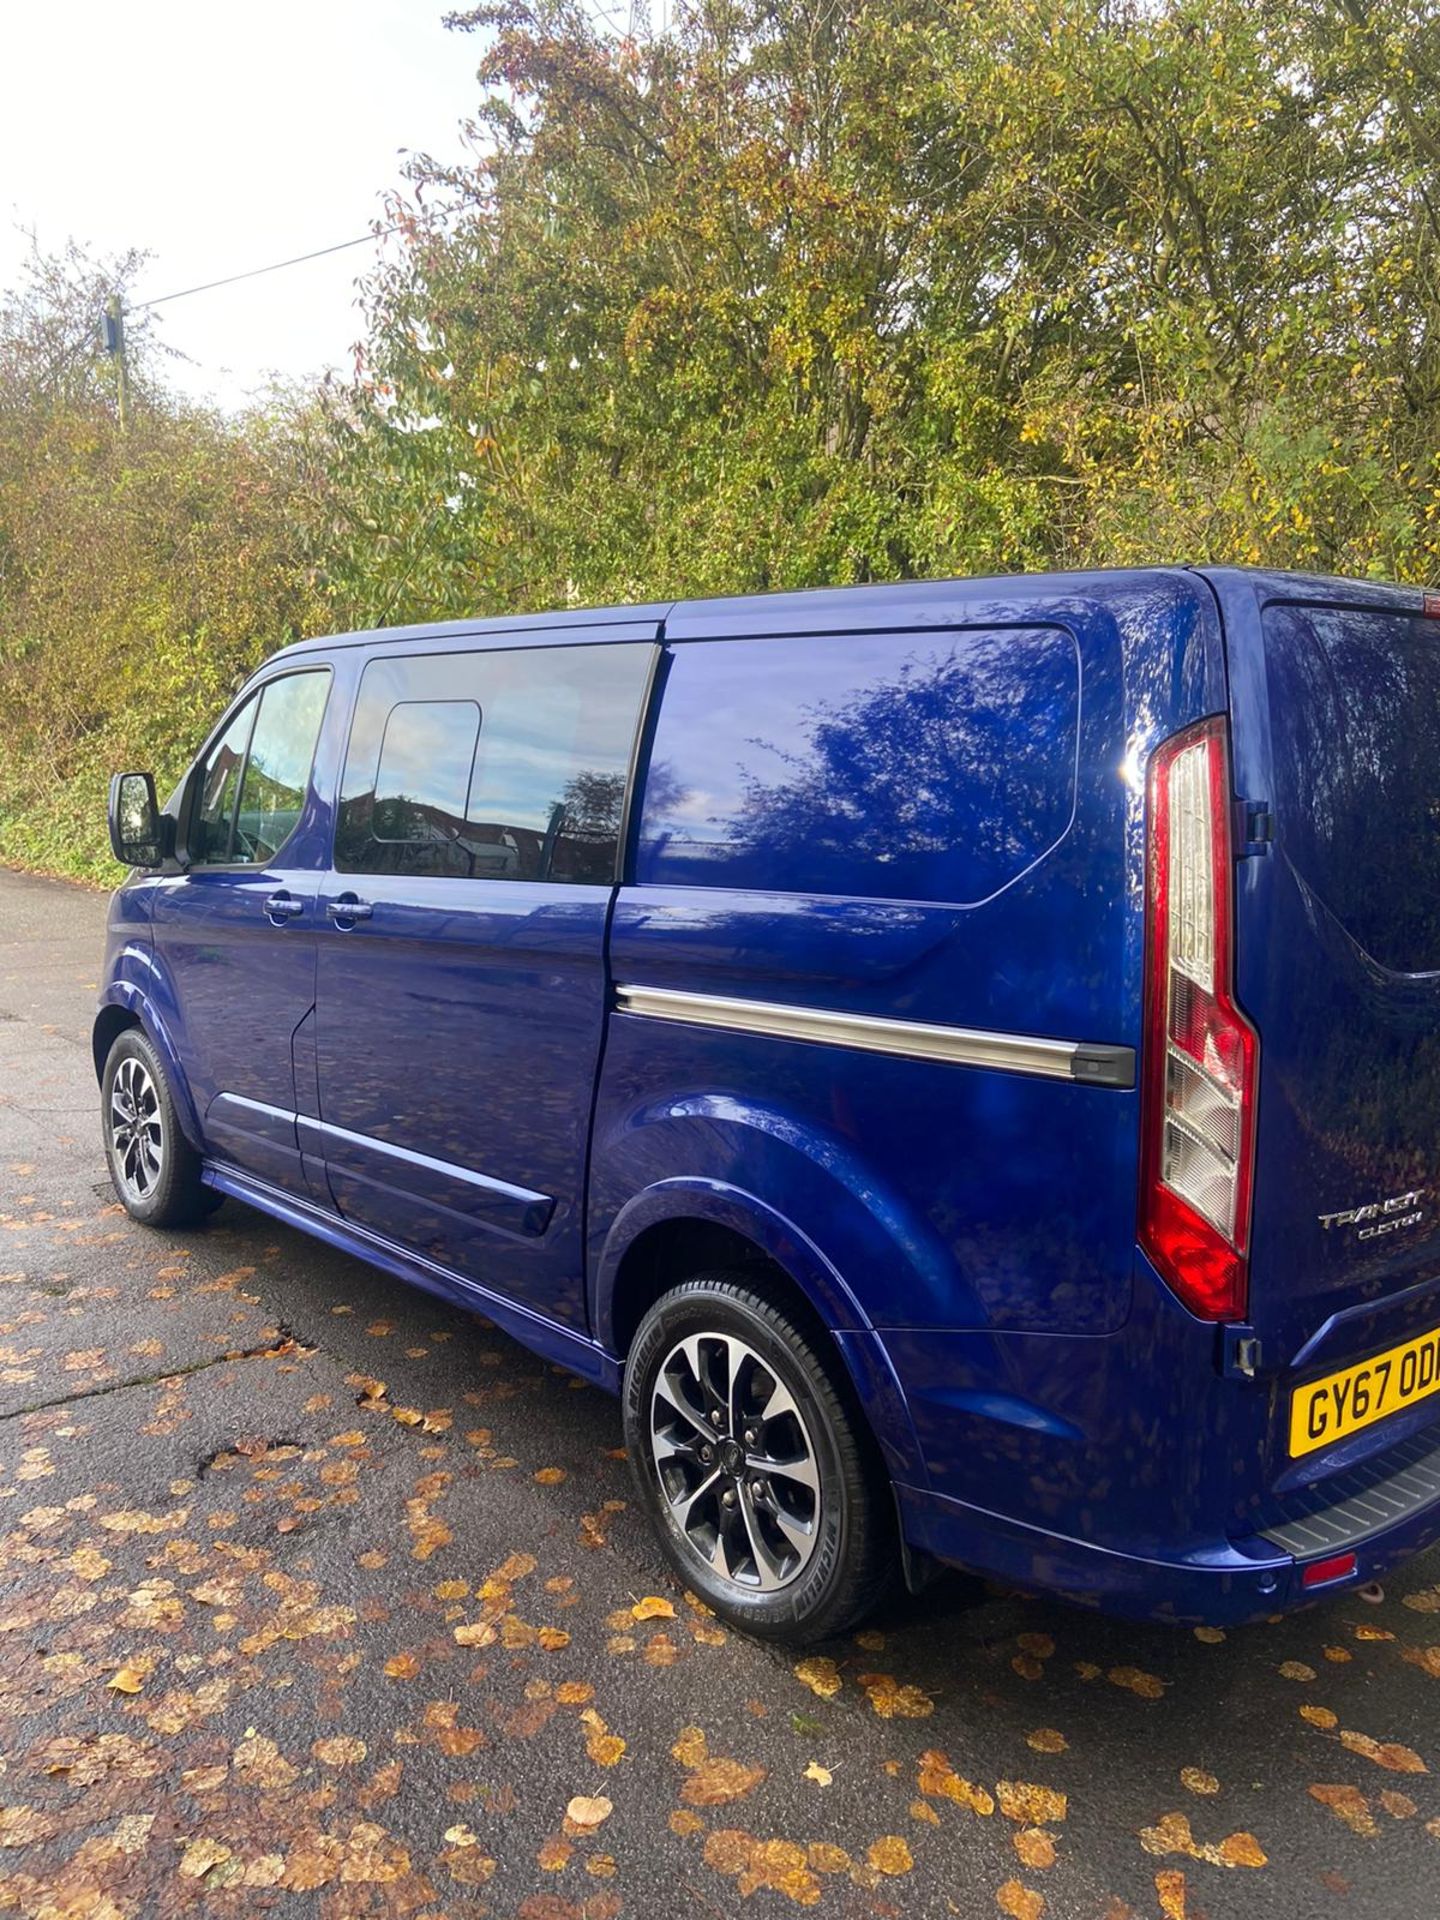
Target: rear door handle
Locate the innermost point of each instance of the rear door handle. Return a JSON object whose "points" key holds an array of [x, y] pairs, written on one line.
{"points": [[281, 907], [348, 909]]}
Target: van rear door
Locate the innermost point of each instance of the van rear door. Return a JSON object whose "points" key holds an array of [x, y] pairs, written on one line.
{"points": [[1335, 718]]}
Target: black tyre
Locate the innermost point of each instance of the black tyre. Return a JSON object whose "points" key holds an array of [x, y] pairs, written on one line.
{"points": [[153, 1167], [754, 1463]]}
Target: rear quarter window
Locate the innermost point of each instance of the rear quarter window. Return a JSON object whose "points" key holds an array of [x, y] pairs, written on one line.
{"points": [[898, 766]]}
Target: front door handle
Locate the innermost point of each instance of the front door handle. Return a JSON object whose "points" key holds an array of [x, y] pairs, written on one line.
{"points": [[347, 910], [281, 907]]}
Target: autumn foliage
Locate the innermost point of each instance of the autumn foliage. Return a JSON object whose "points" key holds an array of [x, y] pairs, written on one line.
{"points": [[792, 293]]}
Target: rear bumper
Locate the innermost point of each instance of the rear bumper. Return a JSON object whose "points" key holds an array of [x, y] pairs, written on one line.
{"points": [[1224, 1583]]}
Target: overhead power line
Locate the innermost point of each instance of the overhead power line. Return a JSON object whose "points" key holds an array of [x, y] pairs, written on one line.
{"points": [[253, 273]]}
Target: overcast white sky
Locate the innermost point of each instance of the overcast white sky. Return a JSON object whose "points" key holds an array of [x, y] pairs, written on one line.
{"points": [[222, 138]]}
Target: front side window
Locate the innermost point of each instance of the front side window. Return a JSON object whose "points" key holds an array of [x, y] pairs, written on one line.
{"points": [[492, 766], [215, 807], [253, 787]]}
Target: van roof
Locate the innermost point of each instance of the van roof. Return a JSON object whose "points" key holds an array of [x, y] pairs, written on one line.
{"points": [[922, 602]]}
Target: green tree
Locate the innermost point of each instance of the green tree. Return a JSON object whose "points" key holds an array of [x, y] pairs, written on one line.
{"points": [[140, 575], [806, 291]]}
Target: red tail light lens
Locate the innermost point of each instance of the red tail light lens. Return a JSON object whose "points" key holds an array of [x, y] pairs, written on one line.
{"points": [[1198, 1113]]}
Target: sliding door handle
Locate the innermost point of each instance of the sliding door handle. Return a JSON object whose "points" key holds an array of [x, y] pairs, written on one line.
{"points": [[281, 907], [347, 910]]}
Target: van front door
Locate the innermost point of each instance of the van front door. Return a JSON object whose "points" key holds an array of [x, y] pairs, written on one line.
{"points": [[235, 932], [462, 981]]}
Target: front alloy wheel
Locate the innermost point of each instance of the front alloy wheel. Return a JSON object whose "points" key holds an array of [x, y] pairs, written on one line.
{"points": [[155, 1170], [137, 1131]]}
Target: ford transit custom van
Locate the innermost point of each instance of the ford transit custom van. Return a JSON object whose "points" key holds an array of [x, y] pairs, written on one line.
{"points": [[961, 1059]]}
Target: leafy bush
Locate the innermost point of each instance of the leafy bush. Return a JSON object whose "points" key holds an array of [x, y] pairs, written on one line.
{"points": [[797, 293]]}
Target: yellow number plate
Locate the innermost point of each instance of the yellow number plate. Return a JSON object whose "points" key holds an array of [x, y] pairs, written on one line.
{"points": [[1326, 1410]]}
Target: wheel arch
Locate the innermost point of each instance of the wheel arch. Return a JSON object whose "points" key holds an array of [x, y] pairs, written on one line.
{"points": [[110, 1022], [718, 1225], [128, 1007], [685, 1226]]}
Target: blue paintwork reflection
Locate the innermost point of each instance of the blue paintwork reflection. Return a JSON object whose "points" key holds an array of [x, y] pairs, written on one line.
{"points": [[889, 765]]}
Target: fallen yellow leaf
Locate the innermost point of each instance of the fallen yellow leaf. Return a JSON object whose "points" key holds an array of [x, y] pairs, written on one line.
{"points": [[1347, 1803], [1034, 1847], [820, 1675], [1020, 1903], [890, 1854], [938, 1778], [479, 1633], [588, 1810], [1198, 1781], [1243, 1850], [200, 1856], [1029, 1804], [890, 1699], [652, 1607], [1046, 1740], [1135, 1681], [715, 1781], [1386, 1753]]}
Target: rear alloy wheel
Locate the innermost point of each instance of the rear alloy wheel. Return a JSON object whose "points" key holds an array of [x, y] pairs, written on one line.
{"points": [[153, 1167], [735, 1461], [760, 1477]]}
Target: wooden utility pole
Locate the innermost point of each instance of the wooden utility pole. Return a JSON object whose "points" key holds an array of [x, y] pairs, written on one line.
{"points": [[114, 336]]}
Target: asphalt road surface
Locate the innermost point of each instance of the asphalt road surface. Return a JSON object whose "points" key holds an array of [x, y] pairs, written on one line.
{"points": [[317, 1597]]}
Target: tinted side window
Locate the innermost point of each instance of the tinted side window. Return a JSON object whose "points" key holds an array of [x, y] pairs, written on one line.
{"points": [[896, 766], [426, 759], [277, 771], [253, 785], [494, 766], [219, 789], [1355, 720]]}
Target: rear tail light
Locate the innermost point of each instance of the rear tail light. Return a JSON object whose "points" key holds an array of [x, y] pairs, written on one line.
{"points": [[1198, 1113]]}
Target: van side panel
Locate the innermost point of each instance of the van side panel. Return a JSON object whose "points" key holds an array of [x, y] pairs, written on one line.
{"points": [[971, 1199]]}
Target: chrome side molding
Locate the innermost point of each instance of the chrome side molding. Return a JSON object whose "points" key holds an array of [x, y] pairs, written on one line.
{"points": [[1090, 1063]]}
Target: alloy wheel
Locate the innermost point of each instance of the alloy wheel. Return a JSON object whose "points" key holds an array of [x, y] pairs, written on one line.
{"points": [[137, 1132], [735, 1462]]}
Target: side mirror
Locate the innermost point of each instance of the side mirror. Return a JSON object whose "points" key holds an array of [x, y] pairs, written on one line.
{"points": [[140, 835]]}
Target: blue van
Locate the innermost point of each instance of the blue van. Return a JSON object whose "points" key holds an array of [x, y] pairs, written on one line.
{"points": [[960, 1059]]}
